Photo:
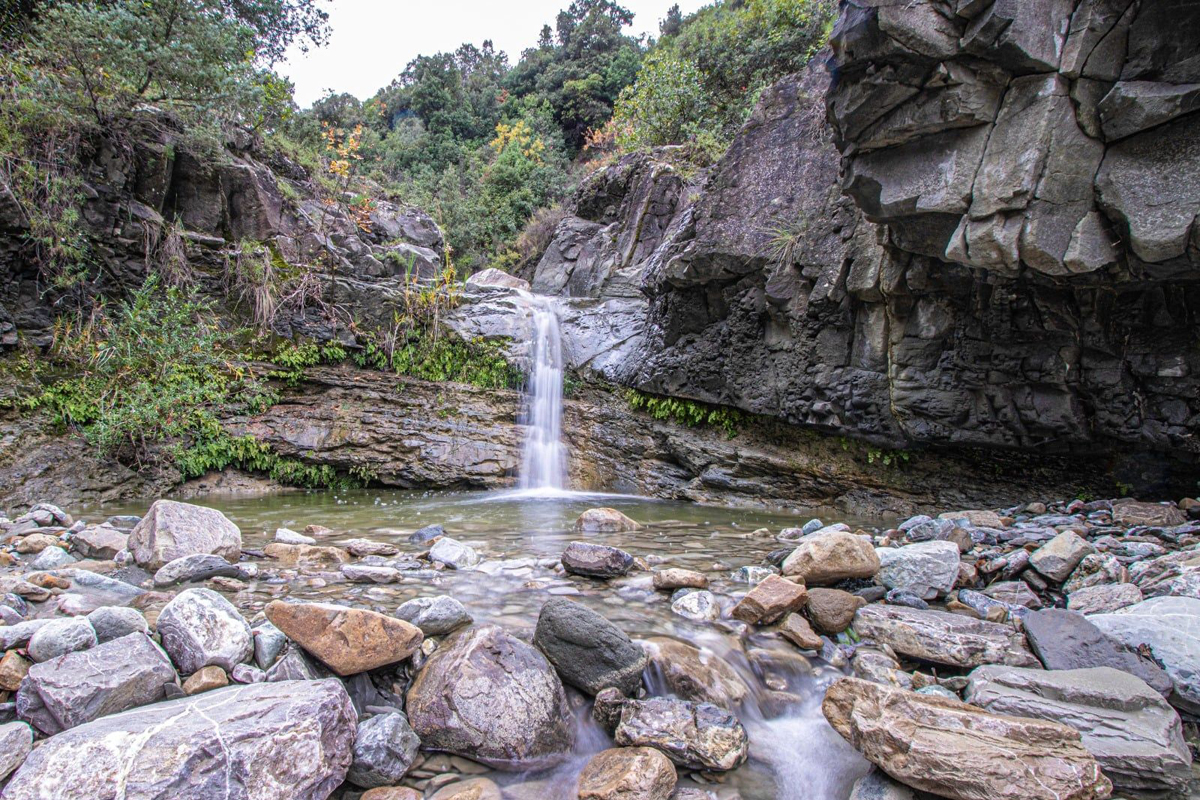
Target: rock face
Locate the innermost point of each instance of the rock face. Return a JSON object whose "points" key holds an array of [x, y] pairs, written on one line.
{"points": [[587, 650], [1125, 724], [172, 530], [267, 741], [347, 640], [200, 627], [627, 773], [80, 687], [959, 751], [943, 638], [490, 697], [1167, 625]]}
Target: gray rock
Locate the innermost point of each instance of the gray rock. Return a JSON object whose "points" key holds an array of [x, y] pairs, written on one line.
{"points": [[200, 628], [100, 590], [16, 743], [61, 636], [453, 554], [699, 606], [927, 569], [384, 750], [435, 616], [427, 534], [984, 604], [99, 541], [943, 638], [288, 536], [490, 697], [199, 567], [495, 278], [588, 651], [52, 558], [269, 642], [876, 785], [113, 622], [1104, 598], [171, 530], [247, 673], [18, 635], [596, 560], [1059, 556], [1167, 625], [1014, 593], [1134, 734], [363, 573], [80, 687], [1068, 640], [239, 743], [295, 665], [693, 735]]}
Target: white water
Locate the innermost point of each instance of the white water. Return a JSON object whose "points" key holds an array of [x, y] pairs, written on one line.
{"points": [[544, 462]]}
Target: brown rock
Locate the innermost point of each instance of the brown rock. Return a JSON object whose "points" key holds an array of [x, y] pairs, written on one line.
{"points": [[770, 600], [796, 630], [675, 578], [347, 640], [306, 554], [959, 751], [392, 793], [206, 679], [604, 520], [831, 557], [1131, 512], [832, 610], [13, 668], [36, 543], [48, 580], [627, 773], [470, 789], [980, 519], [694, 674]]}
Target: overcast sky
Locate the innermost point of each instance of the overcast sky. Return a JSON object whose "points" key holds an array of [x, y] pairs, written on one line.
{"points": [[372, 40]]}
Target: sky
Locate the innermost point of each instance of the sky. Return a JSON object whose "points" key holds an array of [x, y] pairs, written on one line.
{"points": [[372, 40]]}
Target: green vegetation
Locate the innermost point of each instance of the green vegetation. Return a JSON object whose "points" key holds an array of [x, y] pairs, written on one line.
{"points": [[687, 412]]}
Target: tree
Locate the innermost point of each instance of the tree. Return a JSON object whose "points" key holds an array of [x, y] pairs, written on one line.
{"points": [[673, 22], [666, 105]]}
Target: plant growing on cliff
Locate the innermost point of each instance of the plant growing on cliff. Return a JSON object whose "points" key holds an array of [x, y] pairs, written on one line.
{"points": [[686, 412]]}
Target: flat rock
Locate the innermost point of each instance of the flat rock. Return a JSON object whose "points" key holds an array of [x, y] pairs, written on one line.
{"points": [[490, 697], [80, 687], [676, 578], [200, 627], [589, 652], [266, 741], [1132, 513], [596, 560], [692, 735], [385, 748], [797, 630], [364, 547], [1104, 598], [627, 773], [99, 541], [198, 567], [927, 569], [943, 638], [1167, 625], [959, 751], [289, 536], [171, 530], [347, 640], [61, 636], [435, 616], [16, 743], [469, 789], [604, 520], [770, 600], [366, 573], [1130, 729], [691, 673], [831, 556]]}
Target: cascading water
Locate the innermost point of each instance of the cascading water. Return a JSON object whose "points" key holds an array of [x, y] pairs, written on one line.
{"points": [[544, 462]]}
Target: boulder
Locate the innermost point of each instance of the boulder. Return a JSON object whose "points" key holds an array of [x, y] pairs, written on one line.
{"points": [[1104, 598], [99, 541], [198, 567], [52, 558], [16, 743], [1134, 734], [113, 622], [19, 635], [347, 640], [588, 651], [698, 606], [832, 556], [80, 687], [674, 578], [435, 616], [490, 697], [200, 627], [596, 560], [604, 520], [1059, 556], [171, 530], [265, 741], [1068, 640], [385, 747], [943, 638], [958, 751], [1131, 513], [770, 600], [453, 554], [1167, 626], [627, 773], [832, 610], [927, 569], [61, 636], [692, 735], [35, 543], [692, 674]]}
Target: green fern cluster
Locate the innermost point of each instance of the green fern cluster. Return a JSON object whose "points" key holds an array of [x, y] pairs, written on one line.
{"points": [[686, 412], [293, 359], [219, 450]]}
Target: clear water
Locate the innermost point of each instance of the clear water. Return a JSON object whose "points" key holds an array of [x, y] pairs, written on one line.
{"points": [[544, 462]]}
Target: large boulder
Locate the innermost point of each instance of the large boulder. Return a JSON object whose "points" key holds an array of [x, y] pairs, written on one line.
{"points": [[171, 530], [927, 569], [959, 751], [347, 640], [587, 650], [200, 628], [265, 741], [1167, 626], [61, 636], [596, 560], [831, 556], [693, 735], [943, 638], [1134, 734], [490, 697], [80, 687]]}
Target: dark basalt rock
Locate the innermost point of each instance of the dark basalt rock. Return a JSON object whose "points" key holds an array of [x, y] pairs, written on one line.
{"points": [[587, 650]]}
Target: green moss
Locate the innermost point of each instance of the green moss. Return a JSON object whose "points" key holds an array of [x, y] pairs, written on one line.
{"points": [[687, 412]]}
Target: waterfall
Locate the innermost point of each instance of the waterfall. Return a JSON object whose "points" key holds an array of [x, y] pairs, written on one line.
{"points": [[544, 463]]}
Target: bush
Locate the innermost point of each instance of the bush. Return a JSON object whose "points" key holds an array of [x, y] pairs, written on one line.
{"points": [[666, 105]]}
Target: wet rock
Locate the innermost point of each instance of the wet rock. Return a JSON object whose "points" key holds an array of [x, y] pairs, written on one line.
{"points": [[588, 651], [1131, 513], [13, 669], [1104, 599], [1134, 734], [470, 789], [693, 735], [347, 640], [1059, 556], [205, 680], [604, 520], [832, 610], [927, 569], [426, 534], [903, 597], [306, 555], [16, 743], [693, 674], [435, 616], [52, 558], [796, 630], [61, 636], [364, 573], [83, 686], [453, 554], [916, 738], [199, 567], [876, 785], [675, 578], [596, 560], [1167, 626], [363, 547], [770, 600], [490, 697], [385, 748], [698, 606], [823, 558], [200, 628], [237, 742], [288, 536], [171, 530], [1067, 640], [943, 638], [269, 642], [393, 793], [99, 541], [627, 773], [294, 665]]}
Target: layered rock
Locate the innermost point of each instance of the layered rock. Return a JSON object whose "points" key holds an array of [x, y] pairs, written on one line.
{"points": [[943, 638]]}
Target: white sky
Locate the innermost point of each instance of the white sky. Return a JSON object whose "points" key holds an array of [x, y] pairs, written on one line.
{"points": [[372, 40]]}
